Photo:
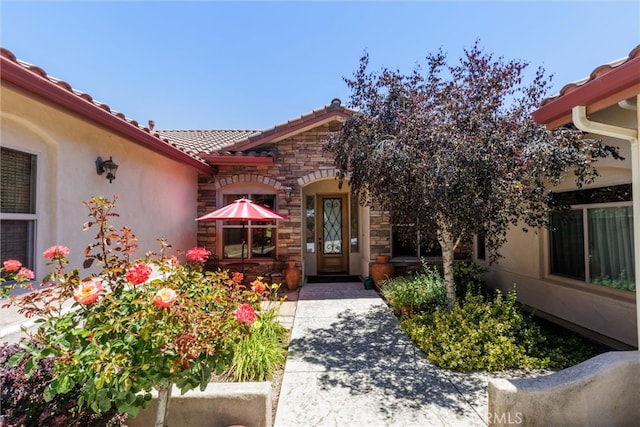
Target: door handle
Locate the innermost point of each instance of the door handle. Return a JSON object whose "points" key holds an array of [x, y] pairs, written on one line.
{"points": [[320, 247]]}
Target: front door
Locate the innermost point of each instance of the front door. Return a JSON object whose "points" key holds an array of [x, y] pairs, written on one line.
{"points": [[333, 244]]}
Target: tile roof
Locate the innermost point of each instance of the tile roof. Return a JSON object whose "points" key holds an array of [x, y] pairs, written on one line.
{"points": [[328, 113], [205, 141], [606, 85], [237, 145], [36, 80]]}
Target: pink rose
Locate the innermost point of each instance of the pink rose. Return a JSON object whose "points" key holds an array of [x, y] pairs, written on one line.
{"points": [[88, 291], [244, 314], [25, 274], [198, 254], [12, 265], [165, 297], [56, 251], [138, 273]]}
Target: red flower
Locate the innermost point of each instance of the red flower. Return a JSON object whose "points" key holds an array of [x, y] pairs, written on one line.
{"points": [[56, 251], [258, 286], [88, 291], [12, 265], [198, 254], [244, 314], [237, 277], [25, 274], [165, 297], [138, 273]]}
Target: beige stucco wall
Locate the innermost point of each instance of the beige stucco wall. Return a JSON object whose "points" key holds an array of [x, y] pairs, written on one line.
{"points": [[157, 195], [606, 312]]}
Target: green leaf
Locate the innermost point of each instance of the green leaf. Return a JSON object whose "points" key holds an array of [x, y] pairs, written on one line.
{"points": [[65, 384], [30, 366], [49, 392], [16, 358]]}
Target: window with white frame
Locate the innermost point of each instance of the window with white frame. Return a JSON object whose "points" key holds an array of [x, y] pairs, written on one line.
{"points": [[249, 239], [18, 206], [593, 242]]}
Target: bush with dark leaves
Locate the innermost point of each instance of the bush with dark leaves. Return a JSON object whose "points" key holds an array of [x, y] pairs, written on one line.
{"points": [[22, 400]]}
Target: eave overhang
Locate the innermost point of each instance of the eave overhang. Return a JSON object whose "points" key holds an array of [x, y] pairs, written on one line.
{"points": [[607, 86], [292, 128], [238, 159]]}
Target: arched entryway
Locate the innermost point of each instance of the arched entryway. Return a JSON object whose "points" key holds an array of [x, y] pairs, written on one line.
{"points": [[334, 241]]}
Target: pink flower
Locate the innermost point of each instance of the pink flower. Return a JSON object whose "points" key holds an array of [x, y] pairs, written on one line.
{"points": [[138, 273], [165, 297], [56, 251], [258, 287], [244, 314], [88, 291], [25, 274], [12, 265], [198, 254]]}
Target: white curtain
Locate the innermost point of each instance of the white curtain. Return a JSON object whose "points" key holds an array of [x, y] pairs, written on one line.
{"points": [[611, 246]]}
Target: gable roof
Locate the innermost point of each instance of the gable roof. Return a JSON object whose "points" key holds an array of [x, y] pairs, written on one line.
{"points": [[607, 85], [35, 80], [242, 147]]}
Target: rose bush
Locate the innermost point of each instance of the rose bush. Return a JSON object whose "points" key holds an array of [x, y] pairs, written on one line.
{"points": [[134, 324]]}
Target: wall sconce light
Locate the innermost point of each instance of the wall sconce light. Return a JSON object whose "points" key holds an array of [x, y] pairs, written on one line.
{"points": [[287, 193], [108, 166]]}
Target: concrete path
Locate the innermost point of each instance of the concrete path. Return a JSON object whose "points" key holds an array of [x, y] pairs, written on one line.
{"points": [[350, 365]]}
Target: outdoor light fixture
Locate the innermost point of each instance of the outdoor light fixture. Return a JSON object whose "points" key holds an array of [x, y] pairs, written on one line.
{"points": [[108, 166], [287, 193]]}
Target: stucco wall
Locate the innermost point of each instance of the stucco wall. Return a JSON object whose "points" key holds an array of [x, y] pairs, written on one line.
{"points": [[157, 195], [603, 311]]}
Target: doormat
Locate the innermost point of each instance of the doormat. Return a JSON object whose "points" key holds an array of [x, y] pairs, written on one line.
{"points": [[334, 279]]}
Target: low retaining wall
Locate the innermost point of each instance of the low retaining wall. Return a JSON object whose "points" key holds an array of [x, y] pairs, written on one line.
{"points": [[219, 405], [602, 391]]}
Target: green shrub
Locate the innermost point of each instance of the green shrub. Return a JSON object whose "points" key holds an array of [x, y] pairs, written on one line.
{"points": [[479, 335], [422, 292], [260, 354], [492, 335], [466, 276], [22, 400]]}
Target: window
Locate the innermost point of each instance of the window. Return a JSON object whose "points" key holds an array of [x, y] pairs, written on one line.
{"points": [[253, 239], [355, 244], [481, 247], [18, 206], [406, 248], [310, 222], [593, 242]]}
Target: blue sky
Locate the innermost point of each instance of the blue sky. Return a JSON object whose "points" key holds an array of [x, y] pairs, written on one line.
{"points": [[252, 65]]}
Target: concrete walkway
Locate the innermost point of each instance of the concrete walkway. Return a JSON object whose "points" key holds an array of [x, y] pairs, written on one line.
{"points": [[349, 364]]}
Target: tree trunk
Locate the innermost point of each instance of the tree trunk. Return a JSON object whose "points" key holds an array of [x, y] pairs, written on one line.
{"points": [[448, 245], [164, 397]]}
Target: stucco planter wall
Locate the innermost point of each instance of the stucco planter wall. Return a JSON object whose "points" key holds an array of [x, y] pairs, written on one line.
{"points": [[219, 405], [602, 391]]}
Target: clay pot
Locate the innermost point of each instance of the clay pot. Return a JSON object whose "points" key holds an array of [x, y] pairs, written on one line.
{"points": [[292, 276], [381, 270]]}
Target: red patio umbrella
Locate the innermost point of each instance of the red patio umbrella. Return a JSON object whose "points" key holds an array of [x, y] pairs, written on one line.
{"points": [[243, 210]]}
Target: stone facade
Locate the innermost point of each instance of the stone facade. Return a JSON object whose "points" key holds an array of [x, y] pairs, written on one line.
{"points": [[300, 161]]}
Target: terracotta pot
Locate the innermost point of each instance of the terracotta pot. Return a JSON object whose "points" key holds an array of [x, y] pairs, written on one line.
{"points": [[381, 270], [292, 276]]}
